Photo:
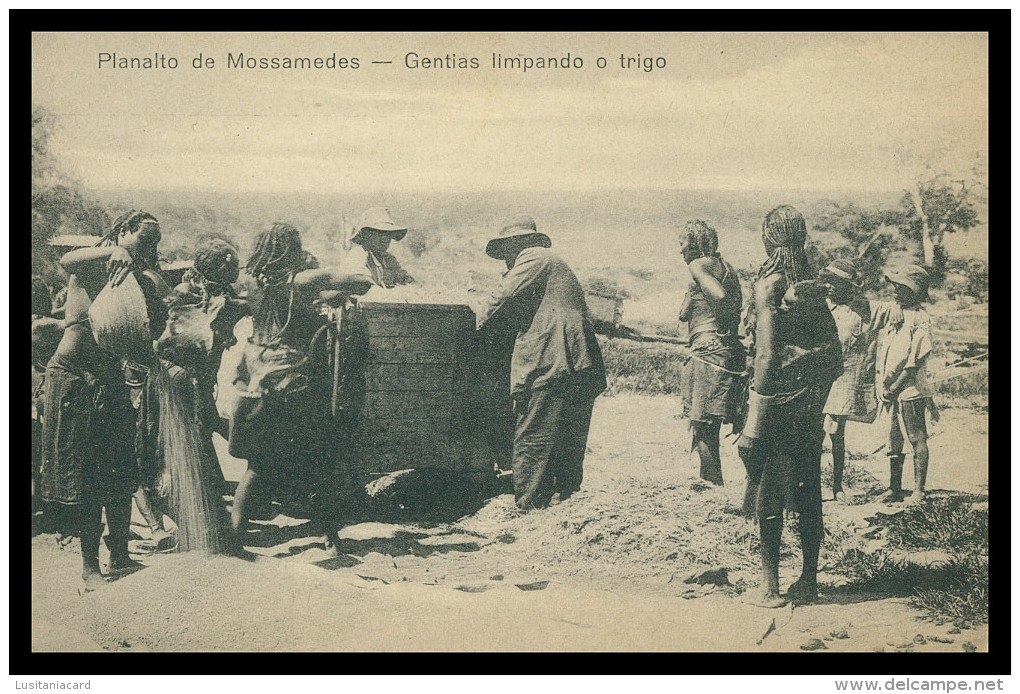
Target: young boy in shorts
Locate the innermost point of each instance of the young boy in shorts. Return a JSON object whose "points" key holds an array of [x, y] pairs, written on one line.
{"points": [[860, 321], [901, 380]]}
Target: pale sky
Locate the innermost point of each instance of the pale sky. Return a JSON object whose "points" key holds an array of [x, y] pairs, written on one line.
{"points": [[731, 111]]}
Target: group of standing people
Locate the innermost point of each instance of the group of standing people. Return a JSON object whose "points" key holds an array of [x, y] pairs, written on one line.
{"points": [[814, 347], [818, 353], [123, 417]]}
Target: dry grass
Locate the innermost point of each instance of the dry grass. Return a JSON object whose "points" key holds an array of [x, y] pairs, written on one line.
{"points": [[969, 390], [954, 589], [951, 524], [855, 477], [641, 531], [645, 368]]}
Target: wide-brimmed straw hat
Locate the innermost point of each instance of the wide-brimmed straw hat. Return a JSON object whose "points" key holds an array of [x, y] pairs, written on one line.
{"points": [[914, 277], [841, 270], [519, 227], [379, 219]]}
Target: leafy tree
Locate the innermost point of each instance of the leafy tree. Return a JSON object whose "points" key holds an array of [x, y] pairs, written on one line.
{"points": [[933, 207], [942, 190], [868, 236], [59, 205], [44, 169]]}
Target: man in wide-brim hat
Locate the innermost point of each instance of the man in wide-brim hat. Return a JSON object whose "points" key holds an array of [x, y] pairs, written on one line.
{"points": [[380, 220], [369, 255], [556, 369], [859, 321], [517, 233]]}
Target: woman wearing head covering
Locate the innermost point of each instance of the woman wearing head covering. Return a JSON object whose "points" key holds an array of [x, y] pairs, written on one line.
{"points": [[203, 310], [88, 432], [710, 386], [285, 423], [859, 321], [796, 356]]}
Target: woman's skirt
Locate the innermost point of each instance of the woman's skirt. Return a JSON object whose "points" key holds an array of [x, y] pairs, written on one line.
{"points": [[786, 472], [711, 384], [87, 438]]}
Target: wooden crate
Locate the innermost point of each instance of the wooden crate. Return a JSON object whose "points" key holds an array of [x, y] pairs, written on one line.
{"points": [[436, 391]]}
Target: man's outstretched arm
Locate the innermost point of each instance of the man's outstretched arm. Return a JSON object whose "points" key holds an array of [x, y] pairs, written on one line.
{"points": [[522, 276]]}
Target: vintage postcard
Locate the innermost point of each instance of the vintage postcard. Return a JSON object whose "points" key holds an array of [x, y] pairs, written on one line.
{"points": [[510, 342]]}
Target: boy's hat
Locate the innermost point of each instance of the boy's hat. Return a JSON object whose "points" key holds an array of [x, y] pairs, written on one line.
{"points": [[913, 277], [516, 227], [841, 270]]}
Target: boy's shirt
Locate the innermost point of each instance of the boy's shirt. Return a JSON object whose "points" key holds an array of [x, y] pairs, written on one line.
{"points": [[859, 325], [903, 347]]}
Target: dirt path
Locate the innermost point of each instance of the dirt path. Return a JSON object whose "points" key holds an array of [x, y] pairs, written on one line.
{"points": [[602, 571]]}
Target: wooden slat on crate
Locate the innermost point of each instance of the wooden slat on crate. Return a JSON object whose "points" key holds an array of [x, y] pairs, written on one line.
{"points": [[416, 325], [403, 308], [425, 343], [424, 372], [433, 389], [439, 422], [381, 383], [407, 403], [410, 356], [422, 439]]}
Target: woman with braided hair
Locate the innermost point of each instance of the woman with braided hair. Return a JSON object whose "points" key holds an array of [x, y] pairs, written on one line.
{"points": [[88, 432], [710, 383], [796, 357], [284, 423]]}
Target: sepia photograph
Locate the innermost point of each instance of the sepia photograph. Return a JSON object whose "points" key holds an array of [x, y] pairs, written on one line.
{"points": [[510, 341]]}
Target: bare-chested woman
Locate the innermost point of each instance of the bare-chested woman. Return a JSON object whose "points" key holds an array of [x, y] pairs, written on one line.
{"points": [[797, 356], [712, 382], [89, 423], [284, 423]]}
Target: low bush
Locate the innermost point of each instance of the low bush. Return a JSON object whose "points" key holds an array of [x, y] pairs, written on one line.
{"points": [[953, 590], [421, 241], [946, 523], [855, 477], [645, 368]]}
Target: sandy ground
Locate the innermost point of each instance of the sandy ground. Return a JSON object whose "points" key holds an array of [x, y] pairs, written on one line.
{"points": [[604, 570]]}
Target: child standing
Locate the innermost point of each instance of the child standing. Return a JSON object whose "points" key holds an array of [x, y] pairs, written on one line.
{"points": [[859, 321], [901, 380]]}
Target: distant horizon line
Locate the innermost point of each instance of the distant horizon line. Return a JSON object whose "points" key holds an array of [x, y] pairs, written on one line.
{"points": [[455, 191]]}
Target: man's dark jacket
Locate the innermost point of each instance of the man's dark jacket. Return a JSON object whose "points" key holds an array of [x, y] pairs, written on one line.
{"points": [[541, 298]]}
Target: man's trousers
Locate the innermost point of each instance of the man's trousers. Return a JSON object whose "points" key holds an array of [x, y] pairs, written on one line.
{"points": [[549, 442]]}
